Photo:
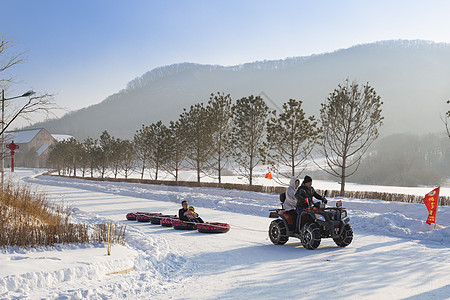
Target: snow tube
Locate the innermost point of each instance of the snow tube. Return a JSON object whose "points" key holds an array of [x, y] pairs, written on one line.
{"points": [[182, 225], [156, 220], [131, 216], [146, 217], [211, 227], [167, 222]]}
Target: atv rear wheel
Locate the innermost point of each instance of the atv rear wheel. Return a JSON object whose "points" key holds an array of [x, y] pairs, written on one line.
{"points": [[278, 232], [310, 236], [346, 237]]}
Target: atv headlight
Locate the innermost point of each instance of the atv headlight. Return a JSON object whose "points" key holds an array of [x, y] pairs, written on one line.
{"points": [[344, 214], [320, 217]]}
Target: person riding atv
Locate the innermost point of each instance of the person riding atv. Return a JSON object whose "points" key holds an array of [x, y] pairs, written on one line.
{"points": [[304, 196], [315, 221]]}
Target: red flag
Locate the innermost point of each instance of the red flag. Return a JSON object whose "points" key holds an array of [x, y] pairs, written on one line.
{"points": [[269, 175], [431, 202]]}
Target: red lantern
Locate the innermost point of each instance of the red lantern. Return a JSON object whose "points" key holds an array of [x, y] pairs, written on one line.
{"points": [[12, 147]]}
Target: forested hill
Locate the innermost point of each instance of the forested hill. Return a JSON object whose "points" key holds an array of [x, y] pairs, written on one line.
{"points": [[412, 77]]}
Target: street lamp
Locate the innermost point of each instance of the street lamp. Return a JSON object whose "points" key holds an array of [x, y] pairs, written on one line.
{"points": [[27, 94]]}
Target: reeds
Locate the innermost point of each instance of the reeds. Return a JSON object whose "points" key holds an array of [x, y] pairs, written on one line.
{"points": [[27, 219]]}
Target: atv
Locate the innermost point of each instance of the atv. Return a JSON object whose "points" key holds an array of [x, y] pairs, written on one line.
{"points": [[316, 222]]}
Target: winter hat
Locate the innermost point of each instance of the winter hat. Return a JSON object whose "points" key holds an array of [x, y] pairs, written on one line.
{"points": [[307, 179]]}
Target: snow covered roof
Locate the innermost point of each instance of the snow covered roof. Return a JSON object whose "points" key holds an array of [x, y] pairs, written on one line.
{"points": [[22, 136], [42, 149], [61, 137]]}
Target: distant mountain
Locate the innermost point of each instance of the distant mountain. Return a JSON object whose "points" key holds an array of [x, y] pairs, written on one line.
{"points": [[412, 78]]}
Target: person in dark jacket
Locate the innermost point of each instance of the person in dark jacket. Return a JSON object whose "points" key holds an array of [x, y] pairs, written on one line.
{"points": [[188, 214], [185, 208], [304, 195]]}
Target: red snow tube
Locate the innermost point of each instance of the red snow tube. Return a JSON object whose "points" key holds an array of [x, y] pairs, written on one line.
{"points": [[211, 227], [167, 222], [131, 216], [182, 225], [157, 219], [145, 217]]}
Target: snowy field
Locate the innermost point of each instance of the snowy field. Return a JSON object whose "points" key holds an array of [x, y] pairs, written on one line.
{"points": [[394, 254]]}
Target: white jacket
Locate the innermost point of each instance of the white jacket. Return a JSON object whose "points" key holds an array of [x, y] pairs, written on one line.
{"points": [[290, 201]]}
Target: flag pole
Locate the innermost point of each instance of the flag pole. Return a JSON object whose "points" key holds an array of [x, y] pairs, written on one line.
{"points": [[437, 205]]}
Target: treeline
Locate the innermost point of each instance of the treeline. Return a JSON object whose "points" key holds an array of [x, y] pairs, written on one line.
{"points": [[406, 160], [206, 137]]}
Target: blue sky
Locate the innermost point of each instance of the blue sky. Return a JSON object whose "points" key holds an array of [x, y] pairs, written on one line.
{"points": [[84, 51]]}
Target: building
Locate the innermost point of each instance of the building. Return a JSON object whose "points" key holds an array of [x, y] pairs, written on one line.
{"points": [[34, 146]]}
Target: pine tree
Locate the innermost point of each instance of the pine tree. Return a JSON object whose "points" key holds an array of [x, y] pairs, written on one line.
{"points": [[127, 160], [247, 134], [104, 156], [158, 133], [350, 119], [142, 146], [196, 126], [175, 149], [219, 108], [291, 136]]}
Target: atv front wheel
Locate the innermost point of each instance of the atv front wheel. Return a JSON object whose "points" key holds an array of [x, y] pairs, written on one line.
{"points": [[346, 237], [278, 232], [310, 236]]}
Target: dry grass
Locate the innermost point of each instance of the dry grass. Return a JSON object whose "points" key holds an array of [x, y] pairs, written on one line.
{"points": [[109, 234], [28, 220]]}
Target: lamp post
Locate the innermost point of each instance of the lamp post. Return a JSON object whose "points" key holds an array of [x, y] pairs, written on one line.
{"points": [[27, 94]]}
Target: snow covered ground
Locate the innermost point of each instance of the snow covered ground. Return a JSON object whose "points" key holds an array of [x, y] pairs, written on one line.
{"points": [[394, 255]]}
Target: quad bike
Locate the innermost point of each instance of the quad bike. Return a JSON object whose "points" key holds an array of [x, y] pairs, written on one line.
{"points": [[316, 222]]}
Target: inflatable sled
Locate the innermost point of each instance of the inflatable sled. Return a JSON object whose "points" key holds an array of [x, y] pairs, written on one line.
{"points": [[146, 217], [156, 220], [131, 216], [167, 222], [212, 227], [182, 225]]}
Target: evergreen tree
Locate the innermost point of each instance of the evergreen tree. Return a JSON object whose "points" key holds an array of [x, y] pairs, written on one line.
{"points": [[117, 154], [56, 157], [158, 133], [91, 149], [219, 109], [196, 126], [127, 160], [247, 134], [350, 121], [291, 136], [175, 149], [104, 155], [142, 145]]}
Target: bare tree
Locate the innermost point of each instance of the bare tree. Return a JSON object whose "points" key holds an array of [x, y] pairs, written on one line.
{"points": [[350, 120], [8, 59], [35, 104], [17, 109]]}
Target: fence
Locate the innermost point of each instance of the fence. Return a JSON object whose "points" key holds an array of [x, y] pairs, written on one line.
{"points": [[443, 200]]}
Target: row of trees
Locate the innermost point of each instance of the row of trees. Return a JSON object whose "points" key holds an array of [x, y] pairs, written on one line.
{"points": [[245, 133]]}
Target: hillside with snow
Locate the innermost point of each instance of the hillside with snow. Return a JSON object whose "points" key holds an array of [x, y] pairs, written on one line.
{"points": [[394, 254], [410, 76]]}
